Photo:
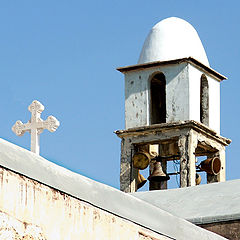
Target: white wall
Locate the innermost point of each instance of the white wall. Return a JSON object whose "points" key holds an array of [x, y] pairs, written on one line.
{"points": [[136, 99], [214, 104], [177, 93], [214, 98], [182, 95], [137, 94], [31, 210], [194, 93]]}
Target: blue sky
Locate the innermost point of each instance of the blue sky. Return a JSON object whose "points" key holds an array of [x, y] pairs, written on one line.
{"points": [[65, 54]]}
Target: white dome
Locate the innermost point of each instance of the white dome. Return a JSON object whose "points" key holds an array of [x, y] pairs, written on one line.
{"points": [[170, 39]]}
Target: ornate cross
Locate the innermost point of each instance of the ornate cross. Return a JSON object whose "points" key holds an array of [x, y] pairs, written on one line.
{"points": [[36, 125]]}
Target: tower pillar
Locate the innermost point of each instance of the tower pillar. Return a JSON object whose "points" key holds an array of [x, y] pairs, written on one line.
{"points": [[128, 174], [187, 145]]}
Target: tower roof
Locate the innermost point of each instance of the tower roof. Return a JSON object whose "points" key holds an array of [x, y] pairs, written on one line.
{"points": [[172, 38]]}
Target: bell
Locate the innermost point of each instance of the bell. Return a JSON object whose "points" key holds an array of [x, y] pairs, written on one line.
{"points": [[141, 160], [141, 180], [158, 175], [211, 165], [198, 179]]}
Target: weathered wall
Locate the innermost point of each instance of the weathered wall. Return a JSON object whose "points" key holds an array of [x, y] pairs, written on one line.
{"points": [[214, 104], [137, 94], [182, 95], [31, 210], [194, 98], [229, 229]]}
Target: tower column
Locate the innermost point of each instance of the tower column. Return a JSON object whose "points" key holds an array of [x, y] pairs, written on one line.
{"points": [[128, 174], [187, 145]]}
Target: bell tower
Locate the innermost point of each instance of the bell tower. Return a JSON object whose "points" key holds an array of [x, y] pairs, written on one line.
{"points": [[172, 110]]}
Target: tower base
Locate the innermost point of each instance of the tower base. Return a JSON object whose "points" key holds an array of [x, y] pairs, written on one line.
{"points": [[184, 140]]}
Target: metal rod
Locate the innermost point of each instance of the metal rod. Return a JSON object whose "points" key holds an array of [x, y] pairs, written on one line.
{"points": [[175, 173], [160, 158]]}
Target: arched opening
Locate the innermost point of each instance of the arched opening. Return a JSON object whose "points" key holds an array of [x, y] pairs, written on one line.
{"points": [[204, 101], [158, 98]]}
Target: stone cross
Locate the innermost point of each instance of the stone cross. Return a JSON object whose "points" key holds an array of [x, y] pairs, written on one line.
{"points": [[36, 125]]}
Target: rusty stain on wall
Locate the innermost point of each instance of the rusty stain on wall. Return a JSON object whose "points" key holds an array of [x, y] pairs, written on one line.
{"points": [[31, 210], [13, 229]]}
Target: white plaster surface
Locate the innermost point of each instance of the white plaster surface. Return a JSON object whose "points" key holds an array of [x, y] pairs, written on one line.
{"points": [[30, 210], [214, 104], [13, 229], [194, 93], [194, 98], [182, 95], [201, 204], [172, 38], [136, 99], [107, 198], [137, 94]]}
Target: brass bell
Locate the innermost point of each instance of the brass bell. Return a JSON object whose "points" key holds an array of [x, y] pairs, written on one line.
{"points": [[198, 179], [141, 160], [158, 175], [211, 165], [141, 180]]}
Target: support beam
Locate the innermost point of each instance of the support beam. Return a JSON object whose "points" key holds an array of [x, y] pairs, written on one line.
{"points": [[187, 145], [128, 174]]}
